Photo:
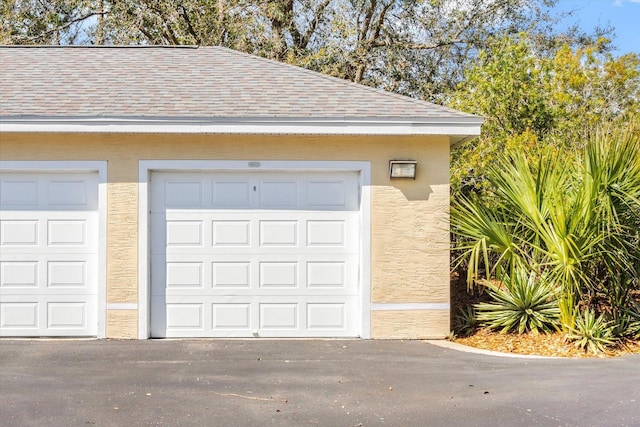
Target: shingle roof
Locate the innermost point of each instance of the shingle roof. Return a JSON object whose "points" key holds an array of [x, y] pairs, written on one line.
{"points": [[187, 82]]}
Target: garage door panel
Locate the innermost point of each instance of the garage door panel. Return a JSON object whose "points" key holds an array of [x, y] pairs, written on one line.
{"points": [[232, 274], [185, 275], [18, 191], [185, 233], [191, 274], [18, 315], [67, 232], [279, 316], [183, 193], [67, 275], [278, 232], [326, 233], [226, 233], [46, 231], [327, 193], [278, 194], [228, 230], [19, 232], [337, 191], [48, 191], [48, 315], [278, 274], [48, 254], [59, 274], [67, 315], [327, 274], [68, 192], [19, 274], [326, 316], [247, 316], [232, 194], [318, 272], [231, 317], [258, 254], [185, 316], [186, 191]]}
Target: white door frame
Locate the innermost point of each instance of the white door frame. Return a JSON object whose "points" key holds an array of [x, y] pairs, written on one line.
{"points": [[79, 166], [146, 167]]}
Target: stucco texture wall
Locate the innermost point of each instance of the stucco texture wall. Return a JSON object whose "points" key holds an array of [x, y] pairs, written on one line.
{"points": [[409, 219]]}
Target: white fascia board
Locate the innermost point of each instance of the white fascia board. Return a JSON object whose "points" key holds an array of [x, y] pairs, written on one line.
{"points": [[456, 127]]}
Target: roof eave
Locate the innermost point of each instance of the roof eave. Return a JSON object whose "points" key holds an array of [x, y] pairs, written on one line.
{"points": [[457, 128]]}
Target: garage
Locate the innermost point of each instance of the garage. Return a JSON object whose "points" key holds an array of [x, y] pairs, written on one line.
{"points": [[255, 253], [49, 247], [237, 197]]}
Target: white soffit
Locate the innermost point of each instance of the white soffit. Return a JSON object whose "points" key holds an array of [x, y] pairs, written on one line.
{"points": [[458, 128]]}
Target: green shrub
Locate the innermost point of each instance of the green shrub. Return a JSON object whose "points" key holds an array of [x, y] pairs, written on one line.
{"points": [[466, 321], [524, 302], [592, 333], [626, 324], [633, 326], [576, 222]]}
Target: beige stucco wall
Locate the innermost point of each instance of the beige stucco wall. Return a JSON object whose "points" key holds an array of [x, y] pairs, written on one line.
{"points": [[409, 219]]}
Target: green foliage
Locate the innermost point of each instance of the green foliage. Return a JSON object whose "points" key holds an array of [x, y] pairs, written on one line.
{"points": [[626, 324], [574, 222], [466, 321], [414, 47], [46, 21], [523, 302], [633, 330], [507, 86], [542, 101], [591, 333]]}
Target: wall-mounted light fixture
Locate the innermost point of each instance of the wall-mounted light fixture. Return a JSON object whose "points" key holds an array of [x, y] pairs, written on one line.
{"points": [[402, 169]]}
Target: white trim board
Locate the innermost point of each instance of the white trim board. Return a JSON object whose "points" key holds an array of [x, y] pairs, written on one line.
{"points": [[146, 167], [80, 166], [457, 128], [122, 306], [410, 306]]}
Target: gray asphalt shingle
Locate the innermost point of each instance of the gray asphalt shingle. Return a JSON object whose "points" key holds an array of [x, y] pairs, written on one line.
{"points": [[185, 82]]}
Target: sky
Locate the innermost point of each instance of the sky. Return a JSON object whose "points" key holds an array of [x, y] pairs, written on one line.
{"points": [[622, 15]]}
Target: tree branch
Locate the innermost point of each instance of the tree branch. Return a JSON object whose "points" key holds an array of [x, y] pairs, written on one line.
{"points": [[380, 22], [431, 46], [170, 35], [287, 13], [66, 25], [190, 29], [317, 19], [364, 30], [371, 41]]}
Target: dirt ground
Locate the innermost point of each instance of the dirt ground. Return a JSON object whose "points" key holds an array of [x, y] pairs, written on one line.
{"points": [[554, 344]]}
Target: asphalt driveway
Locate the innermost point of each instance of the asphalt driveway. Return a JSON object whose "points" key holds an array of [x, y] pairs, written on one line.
{"points": [[300, 383]]}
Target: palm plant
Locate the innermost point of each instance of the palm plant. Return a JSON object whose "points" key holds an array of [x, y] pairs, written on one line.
{"points": [[627, 323], [633, 330], [523, 303], [577, 223], [466, 321], [591, 333], [612, 183]]}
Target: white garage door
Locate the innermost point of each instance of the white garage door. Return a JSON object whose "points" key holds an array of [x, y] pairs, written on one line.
{"points": [[48, 254], [254, 254]]}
